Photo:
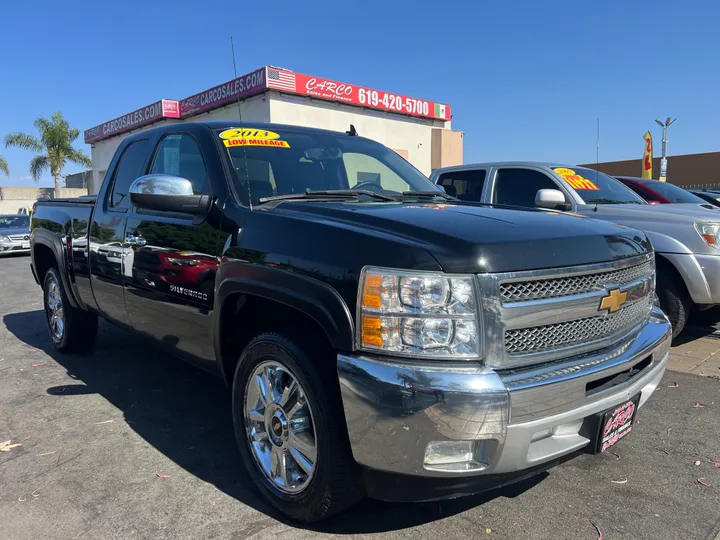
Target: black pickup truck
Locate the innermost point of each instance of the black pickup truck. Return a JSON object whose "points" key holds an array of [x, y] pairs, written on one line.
{"points": [[380, 337]]}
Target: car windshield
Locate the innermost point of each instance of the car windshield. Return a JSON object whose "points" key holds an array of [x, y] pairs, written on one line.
{"points": [[287, 162], [14, 222], [596, 187], [674, 193]]}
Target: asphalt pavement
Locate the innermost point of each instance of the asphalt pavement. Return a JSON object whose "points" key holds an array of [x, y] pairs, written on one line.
{"points": [[129, 442]]}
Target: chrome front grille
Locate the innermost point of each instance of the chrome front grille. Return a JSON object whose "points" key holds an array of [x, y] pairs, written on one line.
{"points": [[542, 316], [19, 237], [555, 336], [537, 289]]}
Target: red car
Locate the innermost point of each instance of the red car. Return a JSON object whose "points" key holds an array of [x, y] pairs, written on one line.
{"points": [[657, 192]]}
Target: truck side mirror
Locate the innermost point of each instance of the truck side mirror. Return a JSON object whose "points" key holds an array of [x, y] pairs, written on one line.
{"points": [[553, 199], [167, 193]]}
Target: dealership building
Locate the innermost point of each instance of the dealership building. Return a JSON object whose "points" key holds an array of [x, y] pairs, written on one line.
{"points": [[417, 129]]}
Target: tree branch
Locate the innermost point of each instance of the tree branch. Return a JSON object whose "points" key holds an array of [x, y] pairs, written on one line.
{"points": [[38, 165], [24, 141], [76, 156], [4, 166]]}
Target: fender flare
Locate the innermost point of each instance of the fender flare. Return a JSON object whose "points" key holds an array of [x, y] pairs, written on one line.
{"points": [[683, 260], [663, 243], [318, 300], [53, 242]]}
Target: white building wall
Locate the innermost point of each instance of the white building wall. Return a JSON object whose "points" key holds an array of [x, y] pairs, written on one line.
{"points": [[406, 134], [396, 131], [254, 109]]}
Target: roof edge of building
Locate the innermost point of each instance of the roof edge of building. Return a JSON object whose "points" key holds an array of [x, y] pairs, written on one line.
{"points": [[262, 80]]}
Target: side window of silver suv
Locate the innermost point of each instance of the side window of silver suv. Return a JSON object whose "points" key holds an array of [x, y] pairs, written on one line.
{"points": [[465, 185], [518, 187]]}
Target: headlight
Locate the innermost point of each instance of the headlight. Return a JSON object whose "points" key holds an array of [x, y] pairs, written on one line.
{"points": [[184, 262], [4, 238], [710, 232], [418, 314]]}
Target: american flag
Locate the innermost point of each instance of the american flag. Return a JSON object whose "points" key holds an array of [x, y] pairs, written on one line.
{"points": [[281, 79]]}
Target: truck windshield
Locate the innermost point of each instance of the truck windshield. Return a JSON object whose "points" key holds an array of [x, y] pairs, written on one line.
{"points": [[14, 222], [596, 187], [674, 193], [286, 162]]}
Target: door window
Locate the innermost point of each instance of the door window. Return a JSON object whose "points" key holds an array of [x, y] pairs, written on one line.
{"points": [[518, 187], [465, 185], [179, 155], [129, 169]]}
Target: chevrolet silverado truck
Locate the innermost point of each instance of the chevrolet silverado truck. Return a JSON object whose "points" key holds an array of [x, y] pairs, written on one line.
{"points": [[379, 337], [686, 238]]}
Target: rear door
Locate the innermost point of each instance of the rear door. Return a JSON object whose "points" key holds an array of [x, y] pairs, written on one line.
{"points": [[517, 186], [171, 262], [107, 233], [465, 185]]}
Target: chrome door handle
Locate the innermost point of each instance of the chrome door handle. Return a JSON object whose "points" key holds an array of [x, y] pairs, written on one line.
{"points": [[135, 240]]}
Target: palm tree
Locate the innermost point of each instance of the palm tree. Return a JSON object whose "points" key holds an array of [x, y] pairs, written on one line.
{"points": [[56, 138], [4, 167]]}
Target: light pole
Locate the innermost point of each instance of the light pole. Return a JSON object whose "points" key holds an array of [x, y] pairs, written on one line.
{"points": [[663, 162]]}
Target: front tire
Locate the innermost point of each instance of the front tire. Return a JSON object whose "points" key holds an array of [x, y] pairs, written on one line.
{"points": [[290, 429], [71, 330], [674, 301]]}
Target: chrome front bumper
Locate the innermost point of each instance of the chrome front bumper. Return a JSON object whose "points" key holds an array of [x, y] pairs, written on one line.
{"points": [[520, 419], [14, 247]]}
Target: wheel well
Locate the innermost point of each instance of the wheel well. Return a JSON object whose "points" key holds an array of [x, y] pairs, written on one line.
{"points": [[662, 265], [44, 259], [246, 316]]}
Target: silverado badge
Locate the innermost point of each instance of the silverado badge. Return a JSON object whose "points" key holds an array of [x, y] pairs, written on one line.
{"points": [[613, 301]]}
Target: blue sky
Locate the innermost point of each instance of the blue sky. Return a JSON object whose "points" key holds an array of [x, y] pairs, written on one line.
{"points": [[526, 80]]}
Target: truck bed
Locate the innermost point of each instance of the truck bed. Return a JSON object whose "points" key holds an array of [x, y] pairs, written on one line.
{"points": [[84, 200]]}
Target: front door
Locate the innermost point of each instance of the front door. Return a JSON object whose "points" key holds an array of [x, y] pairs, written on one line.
{"points": [[171, 262], [518, 186], [107, 234]]}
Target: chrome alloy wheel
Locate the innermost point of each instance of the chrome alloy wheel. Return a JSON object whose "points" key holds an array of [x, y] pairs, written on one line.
{"points": [[54, 311], [280, 427]]}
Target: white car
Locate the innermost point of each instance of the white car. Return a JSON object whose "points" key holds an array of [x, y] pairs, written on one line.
{"points": [[14, 234]]}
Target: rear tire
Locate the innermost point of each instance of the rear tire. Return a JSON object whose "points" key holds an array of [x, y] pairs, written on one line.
{"points": [[333, 482], [674, 301], [71, 330]]}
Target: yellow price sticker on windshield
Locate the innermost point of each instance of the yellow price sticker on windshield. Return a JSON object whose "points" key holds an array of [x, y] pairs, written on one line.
{"points": [[248, 133], [576, 181]]}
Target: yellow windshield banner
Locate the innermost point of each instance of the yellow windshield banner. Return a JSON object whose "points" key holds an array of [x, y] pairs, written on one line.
{"points": [[576, 181], [647, 156]]}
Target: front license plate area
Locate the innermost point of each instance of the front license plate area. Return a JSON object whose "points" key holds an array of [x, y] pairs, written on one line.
{"points": [[616, 424]]}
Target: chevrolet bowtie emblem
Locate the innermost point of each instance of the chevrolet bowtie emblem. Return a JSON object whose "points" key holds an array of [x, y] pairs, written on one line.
{"points": [[613, 301]]}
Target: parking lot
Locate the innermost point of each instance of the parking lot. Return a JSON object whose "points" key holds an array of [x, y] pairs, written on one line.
{"points": [[130, 443]]}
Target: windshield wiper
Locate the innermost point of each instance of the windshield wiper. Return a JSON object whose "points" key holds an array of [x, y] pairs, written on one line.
{"points": [[425, 195], [339, 194], [602, 201]]}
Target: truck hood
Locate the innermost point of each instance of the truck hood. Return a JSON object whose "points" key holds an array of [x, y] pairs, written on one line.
{"points": [[698, 206], [624, 213], [466, 238]]}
